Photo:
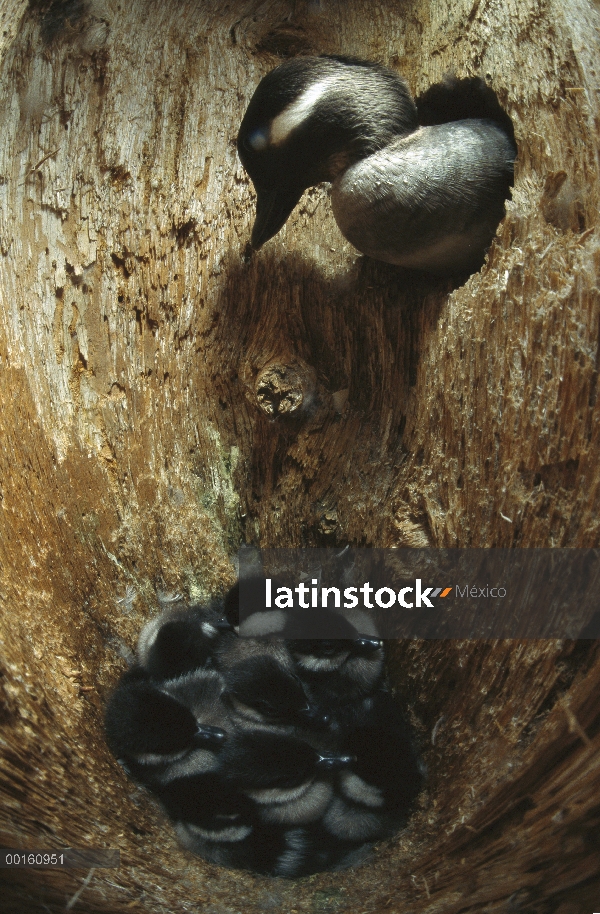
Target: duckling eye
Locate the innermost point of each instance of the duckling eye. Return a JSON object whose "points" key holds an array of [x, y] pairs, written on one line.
{"points": [[256, 141]]}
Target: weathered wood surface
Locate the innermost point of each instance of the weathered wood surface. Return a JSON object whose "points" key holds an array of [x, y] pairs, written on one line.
{"points": [[135, 456]]}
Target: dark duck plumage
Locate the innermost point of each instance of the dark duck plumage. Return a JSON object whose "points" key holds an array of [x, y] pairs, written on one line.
{"points": [[276, 751], [161, 731], [423, 197], [183, 639], [375, 795]]}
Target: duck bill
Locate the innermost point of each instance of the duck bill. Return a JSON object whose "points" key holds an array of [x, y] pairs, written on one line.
{"points": [[209, 737], [367, 645], [335, 762], [272, 211]]}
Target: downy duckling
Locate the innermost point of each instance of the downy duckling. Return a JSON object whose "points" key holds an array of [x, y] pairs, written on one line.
{"points": [[287, 778], [211, 809], [152, 733], [267, 850], [337, 669], [183, 639], [428, 198], [341, 671], [202, 692], [273, 851], [262, 694], [218, 822], [374, 796], [259, 630]]}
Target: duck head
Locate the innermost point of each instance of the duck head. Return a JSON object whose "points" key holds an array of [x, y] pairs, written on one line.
{"points": [[308, 120], [260, 690]]}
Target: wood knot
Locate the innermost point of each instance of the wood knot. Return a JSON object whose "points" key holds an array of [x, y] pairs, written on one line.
{"points": [[284, 389]]}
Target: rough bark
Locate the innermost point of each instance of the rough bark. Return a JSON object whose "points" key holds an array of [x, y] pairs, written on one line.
{"points": [[140, 357]]}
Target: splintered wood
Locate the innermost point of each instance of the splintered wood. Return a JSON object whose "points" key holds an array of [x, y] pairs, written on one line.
{"points": [[164, 398]]}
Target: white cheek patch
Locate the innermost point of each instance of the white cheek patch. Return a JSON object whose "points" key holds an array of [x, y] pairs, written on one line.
{"points": [[262, 623], [199, 761], [360, 791], [321, 664], [301, 811], [154, 758], [277, 795], [246, 711], [295, 113], [232, 834]]}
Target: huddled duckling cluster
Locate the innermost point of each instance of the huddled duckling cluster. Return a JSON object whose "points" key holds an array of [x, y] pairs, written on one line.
{"points": [[407, 188], [274, 753]]}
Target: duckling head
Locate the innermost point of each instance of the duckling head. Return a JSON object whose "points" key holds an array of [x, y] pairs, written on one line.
{"points": [[261, 691], [262, 761], [308, 120], [176, 644]]}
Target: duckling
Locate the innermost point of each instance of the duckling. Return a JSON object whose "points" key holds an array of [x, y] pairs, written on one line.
{"points": [[202, 692], [259, 629], [374, 796], [211, 809], [338, 669], [153, 733], [273, 851], [267, 850], [339, 664], [287, 778], [339, 672], [183, 639], [422, 197], [214, 819], [262, 694]]}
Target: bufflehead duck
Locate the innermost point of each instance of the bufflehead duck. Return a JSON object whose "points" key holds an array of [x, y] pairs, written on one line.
{"points": [[422, 197]]}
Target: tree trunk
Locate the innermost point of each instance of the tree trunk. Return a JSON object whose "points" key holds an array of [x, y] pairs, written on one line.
{"points": [[142, 358]]}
